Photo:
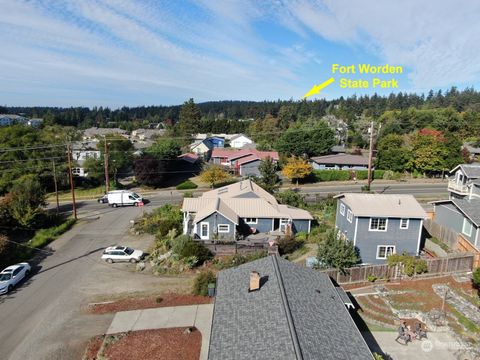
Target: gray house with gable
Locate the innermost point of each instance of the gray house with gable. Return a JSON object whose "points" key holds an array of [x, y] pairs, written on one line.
{"points": [[235, 211], [379, 225]]}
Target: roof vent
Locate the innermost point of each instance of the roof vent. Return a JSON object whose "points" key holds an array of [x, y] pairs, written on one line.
{"points": [[399, 201], [254, 281]]}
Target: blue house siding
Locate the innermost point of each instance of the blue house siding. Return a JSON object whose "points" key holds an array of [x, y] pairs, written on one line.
{"points": [[450, 217], [213, 221], [404, 240], [337, 167], [342, 224], [301, 225], [250, 169]]}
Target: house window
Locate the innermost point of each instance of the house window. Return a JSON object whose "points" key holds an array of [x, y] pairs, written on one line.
{"points": [[404, 223], [383, 251], [378, 224], [342, 209], [223, 228], [204, 230], [349, 215], [251, 220], [467, 227]]}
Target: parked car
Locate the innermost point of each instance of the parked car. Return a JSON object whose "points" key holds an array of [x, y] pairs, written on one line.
{"points": [[12, 275], [103, 199], [121, 253]]}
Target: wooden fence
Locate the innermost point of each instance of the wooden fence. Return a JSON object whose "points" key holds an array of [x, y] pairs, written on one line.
{"points": [[235, 248], [439, 266], [442, 233]]}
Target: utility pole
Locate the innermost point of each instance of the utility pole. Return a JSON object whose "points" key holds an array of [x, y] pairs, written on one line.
{"points": [[105, 159], [55, 183], [370, 157], [72, 188]]}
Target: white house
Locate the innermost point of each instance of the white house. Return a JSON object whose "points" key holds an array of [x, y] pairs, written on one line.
{"points": [[239, 141], [201, 148]]}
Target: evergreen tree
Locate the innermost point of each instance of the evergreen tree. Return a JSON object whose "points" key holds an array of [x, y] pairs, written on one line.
{"points": [[189, 122]]}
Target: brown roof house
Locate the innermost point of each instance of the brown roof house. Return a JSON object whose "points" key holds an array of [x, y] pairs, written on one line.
{"points": [[339, 161], [235, 211]]}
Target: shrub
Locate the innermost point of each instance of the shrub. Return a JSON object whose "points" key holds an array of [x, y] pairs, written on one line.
{"points": [[372, 278], [292, 198], [476, 278], [161, 220], [186, 185], [167, 225], [288, 244], [200, 284], [185, 247], [411, 265]]}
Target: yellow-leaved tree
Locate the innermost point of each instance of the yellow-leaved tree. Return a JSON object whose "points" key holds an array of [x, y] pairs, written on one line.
{"points": [[296, 168], [214, 174]]}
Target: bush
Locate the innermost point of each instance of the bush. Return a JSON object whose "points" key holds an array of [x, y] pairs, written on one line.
{"points": [[288, 244], [292, 198], [188, 194], [476, 278], [186, 185], [332, 175], [411, 265], [372, 278], [161, 220], [200, 284], [185, 247]]}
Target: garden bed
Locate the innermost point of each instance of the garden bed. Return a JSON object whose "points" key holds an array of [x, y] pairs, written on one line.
{"points": [[172, 344], [154, 301]]}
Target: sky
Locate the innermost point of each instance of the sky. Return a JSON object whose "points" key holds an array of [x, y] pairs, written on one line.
{"points": [[126, 53]]}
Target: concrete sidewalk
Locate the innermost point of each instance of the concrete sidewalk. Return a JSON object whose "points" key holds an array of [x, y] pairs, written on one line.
{"points": [[199, 316]]}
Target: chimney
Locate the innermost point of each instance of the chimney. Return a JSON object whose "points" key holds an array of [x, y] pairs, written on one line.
{"points": [[254, 281]]}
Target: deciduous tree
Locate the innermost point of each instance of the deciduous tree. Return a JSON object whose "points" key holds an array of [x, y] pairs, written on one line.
{"points": [[334, 252], [214, 174], [28, 196], [296, 168]]}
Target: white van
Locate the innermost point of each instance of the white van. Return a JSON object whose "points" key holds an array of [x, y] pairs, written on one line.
{"points": [[123, 198]]}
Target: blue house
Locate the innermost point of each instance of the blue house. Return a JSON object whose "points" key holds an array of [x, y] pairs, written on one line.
{"points": [[235, 211], [379, 225], [217, 142]]}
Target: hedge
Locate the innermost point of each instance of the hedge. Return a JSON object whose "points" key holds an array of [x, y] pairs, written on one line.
{"points": [[186, 185], [344, 175]]}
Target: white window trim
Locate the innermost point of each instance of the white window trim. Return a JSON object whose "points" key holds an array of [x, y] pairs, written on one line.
{"points": [[342, 209], [370, 225], [208, 230], [465, 222], [385, 246], [404, 227], [251, 222], [222, 231], [349, 215]]}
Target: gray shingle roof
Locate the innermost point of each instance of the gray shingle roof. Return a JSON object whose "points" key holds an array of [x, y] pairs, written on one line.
{"points": [[471, 208], [296, 314]]}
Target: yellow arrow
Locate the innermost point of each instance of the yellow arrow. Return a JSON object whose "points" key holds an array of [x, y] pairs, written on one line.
{"points": [[316, 88]]}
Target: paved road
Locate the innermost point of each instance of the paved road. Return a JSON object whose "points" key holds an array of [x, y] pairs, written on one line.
{"points": [[39, 320], [436, 189]]}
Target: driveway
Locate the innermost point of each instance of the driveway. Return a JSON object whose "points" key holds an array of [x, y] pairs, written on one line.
{"points": [[42, 319]]}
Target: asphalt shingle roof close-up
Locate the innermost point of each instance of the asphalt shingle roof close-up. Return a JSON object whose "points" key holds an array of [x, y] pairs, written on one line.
{"points": [[296, 314]]}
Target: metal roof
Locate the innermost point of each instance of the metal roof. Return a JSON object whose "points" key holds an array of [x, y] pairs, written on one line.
{"points": [[383, 205]]}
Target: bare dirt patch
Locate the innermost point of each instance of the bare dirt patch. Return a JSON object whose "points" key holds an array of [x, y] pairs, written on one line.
{"points": [[154, 301], [171, 344]]}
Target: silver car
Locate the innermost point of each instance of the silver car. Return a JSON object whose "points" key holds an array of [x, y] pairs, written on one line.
{"points": [[121, 253]]}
